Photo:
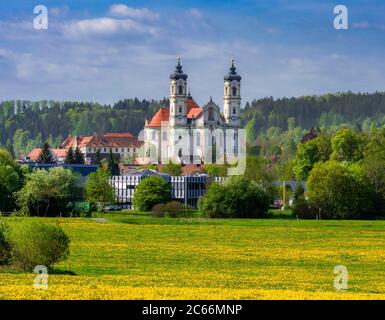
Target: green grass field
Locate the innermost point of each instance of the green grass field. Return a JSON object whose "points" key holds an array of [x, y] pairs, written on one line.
{"points": [[139, 257]]}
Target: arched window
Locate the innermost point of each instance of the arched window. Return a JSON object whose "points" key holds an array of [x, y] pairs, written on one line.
{"points": [[180, 109], [234, 91], [211, 116], [234, 111], [180, 88]]}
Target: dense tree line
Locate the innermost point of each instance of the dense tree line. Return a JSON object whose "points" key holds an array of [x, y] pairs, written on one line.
{"points": [[25, 125], [311, 111]]}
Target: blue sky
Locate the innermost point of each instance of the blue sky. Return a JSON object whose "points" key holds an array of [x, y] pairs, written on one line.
{"points": [[104, 50]]}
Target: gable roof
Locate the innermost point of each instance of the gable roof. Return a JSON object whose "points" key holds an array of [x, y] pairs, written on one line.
{"points": [[58, 153], [111, 140]]}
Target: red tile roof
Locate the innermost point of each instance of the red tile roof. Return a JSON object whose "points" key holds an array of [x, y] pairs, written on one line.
{"points": [[113, 134], [193, 111], [69, 142], [111, 140], [162, 115], [59, 153]]}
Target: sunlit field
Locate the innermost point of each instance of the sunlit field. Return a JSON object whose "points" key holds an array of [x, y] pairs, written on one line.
{"points": [[138, 257]]}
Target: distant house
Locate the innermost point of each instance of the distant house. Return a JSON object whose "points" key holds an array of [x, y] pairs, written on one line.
{"points": [[124, 145], [59, 155]]}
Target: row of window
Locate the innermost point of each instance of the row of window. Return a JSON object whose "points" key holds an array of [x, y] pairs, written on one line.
{"points": [[121, 150]]}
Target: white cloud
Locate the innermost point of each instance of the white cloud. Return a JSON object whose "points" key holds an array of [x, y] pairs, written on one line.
{"points": [[123, 11], [106, 26]]}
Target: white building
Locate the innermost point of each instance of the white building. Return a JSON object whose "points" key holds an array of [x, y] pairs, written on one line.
{"points": [[185, 132]]}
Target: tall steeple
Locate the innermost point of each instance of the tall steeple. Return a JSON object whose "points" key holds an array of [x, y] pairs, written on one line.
{"points": [[232, 96], [178, 96]]}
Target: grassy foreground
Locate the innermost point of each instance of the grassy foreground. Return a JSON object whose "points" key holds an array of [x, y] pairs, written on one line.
{"points": [[149, 258]]}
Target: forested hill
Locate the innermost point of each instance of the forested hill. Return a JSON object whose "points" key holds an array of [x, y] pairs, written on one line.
{"points": [[324, 111], [25, 124]]}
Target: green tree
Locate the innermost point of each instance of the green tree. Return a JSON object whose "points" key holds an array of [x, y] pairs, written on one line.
{"points": [[340, 192], [78, 156], [151, 191], [216, 170], [373, 165], [70, 156], [172, 168], [98, 188], [260, 170], [375, 147], [251, 130], [11, 180], [46, 155], [308, 154], [113, 164], [46, 190], [98, 157], [347, 146], [20, 142], [237, 197]]}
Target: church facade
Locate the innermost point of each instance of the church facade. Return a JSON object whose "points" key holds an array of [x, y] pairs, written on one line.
{"points": [[185, 132]]}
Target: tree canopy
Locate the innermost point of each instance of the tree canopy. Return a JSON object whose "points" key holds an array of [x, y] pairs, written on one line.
{"points": [[151, 191]]}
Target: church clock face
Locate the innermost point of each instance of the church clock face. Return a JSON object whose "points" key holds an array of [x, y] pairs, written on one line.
{"points": [[180, 118]]}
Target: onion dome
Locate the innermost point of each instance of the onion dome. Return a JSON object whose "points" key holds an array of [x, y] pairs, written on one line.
{"points": [[233, 73], [178, 73]]}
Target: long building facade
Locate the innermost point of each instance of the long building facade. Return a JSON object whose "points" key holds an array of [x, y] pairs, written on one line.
{"points": [[185, 189]]}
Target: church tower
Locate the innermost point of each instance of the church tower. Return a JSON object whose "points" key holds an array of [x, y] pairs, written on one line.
{"points": [[232, 97], [178, 97]]}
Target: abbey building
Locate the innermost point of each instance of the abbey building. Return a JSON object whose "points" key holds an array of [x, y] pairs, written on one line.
{"points": [[185, 132]]}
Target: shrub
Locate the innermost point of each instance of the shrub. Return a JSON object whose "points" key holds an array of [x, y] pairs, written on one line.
{"points": [[237, 198], [151, 191], [5, 246], [172, 208], [279, 214], [157, 211], [303, 209], [38, 243]]}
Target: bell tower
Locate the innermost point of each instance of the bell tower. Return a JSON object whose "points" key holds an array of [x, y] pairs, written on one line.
{"points": [[178, 97], [232, 97]]}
